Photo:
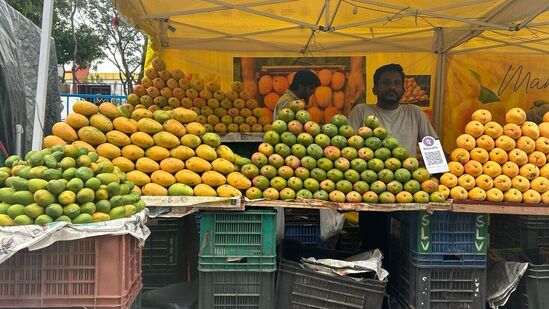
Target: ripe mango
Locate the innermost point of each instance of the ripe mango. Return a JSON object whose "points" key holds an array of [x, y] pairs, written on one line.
{"points": [[146, 165], [198, 165], [110, 110], [101, 122], [100, 217], [182, 152], [118, 138], [138, 178], [223, 166], [166, 140], [206, 152], [142, 140], [141, 113], [157, 153], [91, 135], [109, 151], [174, 127], [188, 177], [52, 140], [77, 121], [228, 191], [213, 178], [172, 165], [195, 128], [64, 131], [154, 189], [204, 190], [238, 181], [190, 140], [85, 108], [226, 153], [148, 125], [184, 115], [162, 178], [124, 125], [133, 152]]}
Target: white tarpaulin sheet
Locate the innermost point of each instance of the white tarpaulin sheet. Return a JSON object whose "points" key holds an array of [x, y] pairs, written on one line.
{"points": [[34, 237]]}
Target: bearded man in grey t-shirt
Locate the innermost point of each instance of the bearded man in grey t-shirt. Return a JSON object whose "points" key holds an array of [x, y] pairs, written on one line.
{"points": [[405, 122]]}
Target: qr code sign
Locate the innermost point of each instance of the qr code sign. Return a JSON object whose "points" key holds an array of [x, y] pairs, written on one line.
{"points": [[433, 158]]}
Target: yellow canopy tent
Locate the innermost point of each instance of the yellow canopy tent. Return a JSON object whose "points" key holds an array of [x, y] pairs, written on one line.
{"points": [[204, 35]]}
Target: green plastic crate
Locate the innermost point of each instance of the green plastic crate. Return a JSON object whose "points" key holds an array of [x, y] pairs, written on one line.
{"points": [[238, 241]]}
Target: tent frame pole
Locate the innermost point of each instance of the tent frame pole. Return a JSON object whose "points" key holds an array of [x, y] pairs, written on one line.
{"points": [[415, 11], [503, 43], [214, 9], [438, 104], [407, 14], [42, 82]]}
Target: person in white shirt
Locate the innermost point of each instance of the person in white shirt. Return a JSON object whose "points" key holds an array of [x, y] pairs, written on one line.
{"points": [[303, 86], [405, 122]]}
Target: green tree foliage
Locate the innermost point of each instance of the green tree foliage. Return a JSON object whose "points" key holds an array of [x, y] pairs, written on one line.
{"points": [[90, 42]]}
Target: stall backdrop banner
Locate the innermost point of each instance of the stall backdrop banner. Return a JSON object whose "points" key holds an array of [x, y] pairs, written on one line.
{"points": [[227, 66], [493, 82]]}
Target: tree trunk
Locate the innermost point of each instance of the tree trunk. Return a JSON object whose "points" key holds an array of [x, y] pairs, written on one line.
{"points": [[143, 56], [75, 49]]}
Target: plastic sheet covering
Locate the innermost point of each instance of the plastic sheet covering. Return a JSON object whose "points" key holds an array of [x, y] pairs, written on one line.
{"points": [[19, 57]]}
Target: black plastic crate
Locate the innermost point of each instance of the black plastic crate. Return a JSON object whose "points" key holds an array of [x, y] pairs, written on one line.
{"points": [[440, 288], [236, 289], [293, 250], [301, 216], [441, 239], [349, 238], [162, 258], [528, 232], [300, 288]]}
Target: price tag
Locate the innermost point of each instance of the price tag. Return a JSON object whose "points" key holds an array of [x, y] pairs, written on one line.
{"points": [[433, 155]]}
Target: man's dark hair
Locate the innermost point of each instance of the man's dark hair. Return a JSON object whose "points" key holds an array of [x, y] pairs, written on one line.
{"points": [[393, 67], [305, 78]]}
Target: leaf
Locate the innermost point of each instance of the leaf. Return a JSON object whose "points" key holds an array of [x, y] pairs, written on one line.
{"points": [[487, 96], [476, 75]]}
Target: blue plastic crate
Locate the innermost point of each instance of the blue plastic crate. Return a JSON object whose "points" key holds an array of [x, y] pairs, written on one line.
{"points": [[306, 234], [441, 239]]}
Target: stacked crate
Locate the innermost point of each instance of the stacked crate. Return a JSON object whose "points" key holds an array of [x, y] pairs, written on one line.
{"points": [[163, 253], [303, 226], [237, 259], [527, 233], [438, 260], [94, 272]]}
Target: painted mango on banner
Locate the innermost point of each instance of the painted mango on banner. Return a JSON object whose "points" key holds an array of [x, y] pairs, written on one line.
{"points": [[493, 82]]}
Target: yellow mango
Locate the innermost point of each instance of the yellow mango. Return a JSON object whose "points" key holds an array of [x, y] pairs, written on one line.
{"points": [[198, 165], [146, 165], [174, 127], [153, 189], [213, 179], [138, 178], [184, 115], [223, 166], [125, 125], [118, 138], [162, 178], [133, 152], [206, 152], [142, 140], [166, 140], [188, 177], [148, 125], [157, 153], [228, 191], [204, 190], [238, 181], [182, 152]]}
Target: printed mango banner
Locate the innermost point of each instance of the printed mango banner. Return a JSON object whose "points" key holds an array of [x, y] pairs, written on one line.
{"points": [[493, 82]]}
